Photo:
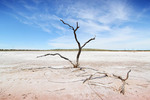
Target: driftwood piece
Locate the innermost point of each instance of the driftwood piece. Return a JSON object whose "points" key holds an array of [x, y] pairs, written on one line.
{"points": [[122, 88]]}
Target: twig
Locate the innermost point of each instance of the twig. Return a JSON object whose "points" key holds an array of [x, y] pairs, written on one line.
{"points": [[119, 77], [87, 79], [91, 76], [67, 24], [88, 41]]}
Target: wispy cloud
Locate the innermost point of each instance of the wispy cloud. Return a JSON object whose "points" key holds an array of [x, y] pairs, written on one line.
{"points": [[107, 19], [63, 42]]}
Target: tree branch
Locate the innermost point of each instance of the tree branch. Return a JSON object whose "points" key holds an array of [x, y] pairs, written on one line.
{"points": [[119, 77], [87, 79], [122, 89], [127, 75], [58, 55], [67, 24], [91, 76], [88, 41], [74, 31], [76, 27]]}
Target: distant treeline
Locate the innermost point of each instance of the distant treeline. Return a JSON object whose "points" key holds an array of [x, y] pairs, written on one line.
{"points": [[71, 50]]}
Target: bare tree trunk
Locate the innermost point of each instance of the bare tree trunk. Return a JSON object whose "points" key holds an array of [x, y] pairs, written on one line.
{"points": [[79, 45]]}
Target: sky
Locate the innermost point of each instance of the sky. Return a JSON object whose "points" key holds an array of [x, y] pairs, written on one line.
{"points": [[35, 24]]}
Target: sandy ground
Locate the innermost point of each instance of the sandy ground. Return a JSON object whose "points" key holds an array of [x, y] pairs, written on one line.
{"points": [[25, 77]]}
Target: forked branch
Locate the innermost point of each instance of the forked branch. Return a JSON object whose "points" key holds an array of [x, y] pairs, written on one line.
{"points": [[122, 89], [74, 30], [79, 45], [91, 76]]}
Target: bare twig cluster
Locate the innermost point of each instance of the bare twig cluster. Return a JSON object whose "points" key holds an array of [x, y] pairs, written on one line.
{"points": [[76, 65], [122, 88]]}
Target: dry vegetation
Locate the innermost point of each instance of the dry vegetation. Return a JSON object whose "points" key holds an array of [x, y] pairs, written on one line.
{"points": [[80, 47]]}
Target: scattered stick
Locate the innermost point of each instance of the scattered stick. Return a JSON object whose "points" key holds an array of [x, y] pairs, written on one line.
{"points": [[91, 76], [122, 88], [87, 79]]}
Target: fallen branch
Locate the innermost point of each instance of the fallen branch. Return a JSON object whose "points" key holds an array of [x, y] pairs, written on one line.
{"points": [[119, 77], [87, 79], [91, 76], [122, 88], [58, 55]]}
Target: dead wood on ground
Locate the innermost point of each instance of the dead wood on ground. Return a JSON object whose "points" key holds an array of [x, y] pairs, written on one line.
{"points": [[91, 76], [59, 56], [122, 88]]}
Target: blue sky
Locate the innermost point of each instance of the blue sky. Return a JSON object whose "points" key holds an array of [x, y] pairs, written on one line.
{"points": [[35, 24]]}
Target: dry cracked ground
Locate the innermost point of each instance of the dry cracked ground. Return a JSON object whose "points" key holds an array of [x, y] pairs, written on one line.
{"points": [[25, 77]]}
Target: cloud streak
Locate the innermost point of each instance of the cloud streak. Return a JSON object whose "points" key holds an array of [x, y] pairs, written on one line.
{"points": [[107, 19]]}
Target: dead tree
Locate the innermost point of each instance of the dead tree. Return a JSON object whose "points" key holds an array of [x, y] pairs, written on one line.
{"points": [[122, 88], [80, 47]]}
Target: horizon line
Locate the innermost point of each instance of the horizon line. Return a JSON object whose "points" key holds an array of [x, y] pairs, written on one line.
{"points": [[85, 49]]}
